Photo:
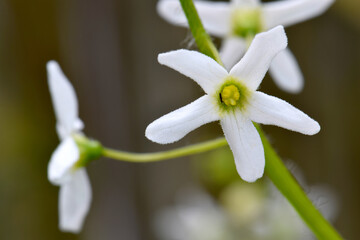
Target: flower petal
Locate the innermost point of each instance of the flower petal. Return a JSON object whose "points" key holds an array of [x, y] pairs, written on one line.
{"points": [[215, 16], [246, 146], [62, 160], [246, 3], [267, 109], [199, 67], [64, 99], [286, 72], [253, 66], [175, 125], [287, 13], [232, 49], [74, 202]]}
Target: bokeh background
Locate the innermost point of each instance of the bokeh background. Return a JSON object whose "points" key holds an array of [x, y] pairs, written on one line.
{"points": [[108, 49]]}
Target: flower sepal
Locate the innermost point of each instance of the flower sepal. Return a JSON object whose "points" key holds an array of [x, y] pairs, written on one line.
{"points": [[89, 150]]}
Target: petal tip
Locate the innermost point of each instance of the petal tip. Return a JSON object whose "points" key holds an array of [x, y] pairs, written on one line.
{"points": [[55, 73], [252, 177], [293, 89], [251, 173], [315, 128], [53, 179], [75, 198], [162, 7], [161, 58], [152, 132], [171, 11], [165, 58], [69, 229], [55, 175], [312, 127], [148, 133], [280, 35], [276, 35], [52, 65]]}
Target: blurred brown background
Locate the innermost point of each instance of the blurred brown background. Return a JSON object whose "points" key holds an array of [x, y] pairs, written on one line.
{"points": [[108, 50]]}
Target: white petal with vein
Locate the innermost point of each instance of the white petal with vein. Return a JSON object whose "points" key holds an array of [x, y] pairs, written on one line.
{"points": [[253, 66], [246, 3], [215, 16], [63, 97], [246, 146], [199, 67], [267, 109], [62, 160], [175, 125], [290, 12], [74, 202], [286, 72]]}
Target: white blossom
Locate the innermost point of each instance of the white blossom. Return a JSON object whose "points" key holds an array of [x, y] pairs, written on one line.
{"points": [[241, 211], [279, 218], [196, 216], [262, 212], [75, 189], [238, 21], [231, 97]]}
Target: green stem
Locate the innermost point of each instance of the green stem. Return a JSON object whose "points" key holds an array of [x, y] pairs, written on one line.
{"points": [[289, 187], [158, 156], [274, 167], [202, 39]]}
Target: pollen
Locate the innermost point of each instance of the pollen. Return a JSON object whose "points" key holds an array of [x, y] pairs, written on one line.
{"points": [[230, 95]]}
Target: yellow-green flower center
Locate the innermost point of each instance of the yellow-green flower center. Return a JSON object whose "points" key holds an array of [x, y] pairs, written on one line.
{"points": [[230, 95], [246, 22]]}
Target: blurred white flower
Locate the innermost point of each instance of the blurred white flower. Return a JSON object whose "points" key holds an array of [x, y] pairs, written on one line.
{"points": [[270, 216], [244, 203], [281, 221], [239, 21], [231, 97], [75, 190], [244, 211], [196, 216]]}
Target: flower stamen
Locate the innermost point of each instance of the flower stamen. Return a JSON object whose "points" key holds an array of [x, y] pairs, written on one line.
{"points": [[230, 95], [233, 94]]}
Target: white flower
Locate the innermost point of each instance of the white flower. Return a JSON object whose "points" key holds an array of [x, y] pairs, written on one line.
{"points": [[237, 23], [279, 218], [231, 97], [75, 190], [262, 212], [195, 216]]}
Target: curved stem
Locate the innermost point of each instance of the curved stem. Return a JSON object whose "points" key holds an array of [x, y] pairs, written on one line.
{"points": [[158, 156], [274, 167]]}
